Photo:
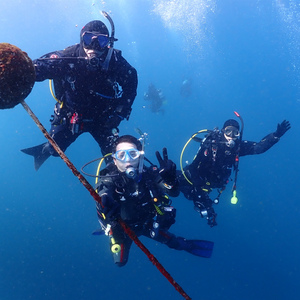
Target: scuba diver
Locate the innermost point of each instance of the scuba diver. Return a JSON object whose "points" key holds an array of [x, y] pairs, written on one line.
{"points": [[94, 87], [186, 88], [156, 99], [217, 156], [139, 196]]}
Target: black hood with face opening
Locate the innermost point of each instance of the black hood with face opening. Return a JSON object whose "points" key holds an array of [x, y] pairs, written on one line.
{"points": [[93, 26]]}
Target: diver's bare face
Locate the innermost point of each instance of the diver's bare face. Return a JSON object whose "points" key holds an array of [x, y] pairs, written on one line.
{"points": [[123, 165], [90, 53], [228, 138], [231, 133]]}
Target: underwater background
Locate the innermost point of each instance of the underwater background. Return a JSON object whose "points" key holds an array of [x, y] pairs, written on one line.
{"points": [[237, 56]]}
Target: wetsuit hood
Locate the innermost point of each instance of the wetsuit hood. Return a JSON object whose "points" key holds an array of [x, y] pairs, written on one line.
{"points": [[93, 26], [231, 122]]}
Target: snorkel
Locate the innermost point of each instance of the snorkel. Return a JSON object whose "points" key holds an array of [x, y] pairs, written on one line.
{"points": [[136, 173], [234, 198], [111, 42], [142, 156]]}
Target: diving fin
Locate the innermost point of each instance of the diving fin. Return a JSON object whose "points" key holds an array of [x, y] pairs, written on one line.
{"points": [[196, 139], [99, 231], [199, 248], [40, 154]]}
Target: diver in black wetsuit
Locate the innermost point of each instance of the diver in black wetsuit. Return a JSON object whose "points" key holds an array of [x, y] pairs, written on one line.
{"points": [[156, 98], [138, 195], [186, 88], [218, 154], [95, 88]]}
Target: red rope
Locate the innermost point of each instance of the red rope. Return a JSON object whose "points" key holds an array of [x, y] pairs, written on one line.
{"points": [[153, 259]]}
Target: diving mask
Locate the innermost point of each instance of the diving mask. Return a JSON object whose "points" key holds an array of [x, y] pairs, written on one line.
{"points": [[89, 39], [127, 155], [232, 132]]}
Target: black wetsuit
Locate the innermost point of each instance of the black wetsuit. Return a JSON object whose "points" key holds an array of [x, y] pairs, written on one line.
{"points": [[155, 97], [92, 99], [144, 205], [212, 167]]}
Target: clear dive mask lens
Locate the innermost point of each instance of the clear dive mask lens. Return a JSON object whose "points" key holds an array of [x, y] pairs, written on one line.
{"points": [[127, 155], [231, 131], [89, 38]]}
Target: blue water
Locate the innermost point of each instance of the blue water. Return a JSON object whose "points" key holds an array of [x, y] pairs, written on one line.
{"points": [[239, 55]]}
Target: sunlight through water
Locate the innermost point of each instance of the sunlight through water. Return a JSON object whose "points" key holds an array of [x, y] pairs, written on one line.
{"points": [[289, 14], [189, 18]]}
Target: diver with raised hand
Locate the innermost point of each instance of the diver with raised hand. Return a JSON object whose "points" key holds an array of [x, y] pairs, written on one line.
{"points": [[217, 156], [94, 87], [139, 196]]}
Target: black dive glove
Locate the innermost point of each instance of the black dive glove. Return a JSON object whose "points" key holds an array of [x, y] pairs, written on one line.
{"points": [[282, 129], [211, 217], [206, 211], [167, 168]]}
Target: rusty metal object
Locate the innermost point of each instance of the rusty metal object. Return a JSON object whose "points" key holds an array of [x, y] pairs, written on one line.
{"points": [[17, 75]]}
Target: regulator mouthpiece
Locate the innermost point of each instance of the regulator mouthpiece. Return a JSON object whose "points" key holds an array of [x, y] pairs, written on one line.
{"points": [[131, 172], [230, 143]]}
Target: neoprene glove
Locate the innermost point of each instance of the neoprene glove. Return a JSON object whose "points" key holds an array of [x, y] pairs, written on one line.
{"points": [[211, 217], [113, 121], [282, 128], [167, 168]]}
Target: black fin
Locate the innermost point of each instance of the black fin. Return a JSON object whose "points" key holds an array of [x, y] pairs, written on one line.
{"points": [[200, 248], [40, 154], [197, 139]]}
